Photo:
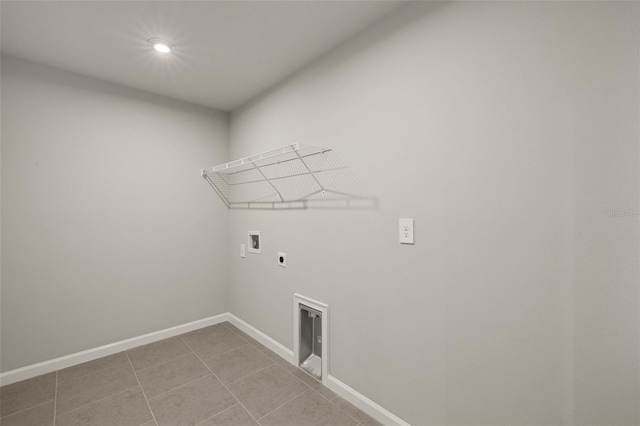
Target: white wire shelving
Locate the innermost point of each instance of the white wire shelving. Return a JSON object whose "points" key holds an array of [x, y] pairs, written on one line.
{"points": [[294, 176]]}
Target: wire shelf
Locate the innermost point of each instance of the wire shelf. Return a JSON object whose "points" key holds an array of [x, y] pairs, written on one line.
{"points": [[294, 176]]}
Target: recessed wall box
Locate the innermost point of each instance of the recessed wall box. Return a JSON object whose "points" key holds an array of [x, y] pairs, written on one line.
{"points": [[255, 242], [311, 336]]}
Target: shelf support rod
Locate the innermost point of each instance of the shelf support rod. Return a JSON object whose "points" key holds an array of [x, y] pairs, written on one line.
{"points": [[310, 172], [208, 179], [265, 178]]}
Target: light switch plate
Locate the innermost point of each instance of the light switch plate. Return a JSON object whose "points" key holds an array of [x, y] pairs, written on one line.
{"points": [[406, 231], [243, 250]]}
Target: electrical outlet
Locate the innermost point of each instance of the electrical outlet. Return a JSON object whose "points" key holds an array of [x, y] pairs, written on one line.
{"points": [[282, 259], [406, 231], [243, 250]]}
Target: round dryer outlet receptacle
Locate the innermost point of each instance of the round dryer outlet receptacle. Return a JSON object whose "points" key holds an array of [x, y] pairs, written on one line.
{"points": [[282, 259]]}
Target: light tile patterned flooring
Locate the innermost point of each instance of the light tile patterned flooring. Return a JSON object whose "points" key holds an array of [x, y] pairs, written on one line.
{"points": [[217, 375]]}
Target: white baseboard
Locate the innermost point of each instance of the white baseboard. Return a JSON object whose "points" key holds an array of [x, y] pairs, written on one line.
{"points": [[365, 404], [354, 397], [270, 343], [49, 366]]}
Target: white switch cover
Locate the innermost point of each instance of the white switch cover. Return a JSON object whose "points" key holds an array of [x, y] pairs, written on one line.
{"points": [[406, 231], [243, 250]]}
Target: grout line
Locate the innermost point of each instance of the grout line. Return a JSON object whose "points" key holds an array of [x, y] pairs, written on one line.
{"points": [[90, 372], [310, 376], [308, 385], [221, 353], [181, 386], [225, 386], [148, 344], [331, 401], [244, 336], [99, 399], [161, 362], [235, 330], [153, 422], [285, 403], [217, 355], [141, 388], [215, 415], [55, 400], [149, 421], [273, 362], [264, 348], [28, 408], [253, 372], [344, 411]]}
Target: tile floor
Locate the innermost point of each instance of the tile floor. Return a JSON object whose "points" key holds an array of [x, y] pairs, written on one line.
{"points": [[217, 375]]}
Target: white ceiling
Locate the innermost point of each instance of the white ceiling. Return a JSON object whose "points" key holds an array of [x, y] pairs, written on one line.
{"points": [[225, 52]]}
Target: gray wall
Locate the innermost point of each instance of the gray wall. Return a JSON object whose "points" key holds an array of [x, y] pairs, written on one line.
{"points": [[506, 130], [108, 231], [606, 234]]}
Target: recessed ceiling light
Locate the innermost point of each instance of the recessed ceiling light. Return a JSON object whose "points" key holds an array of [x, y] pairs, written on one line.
{"points": [[160, 45]]}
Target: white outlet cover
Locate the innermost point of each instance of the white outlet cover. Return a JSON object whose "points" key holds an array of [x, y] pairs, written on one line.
{"points": [[406, 231], [243, 251], [282, 259]]}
